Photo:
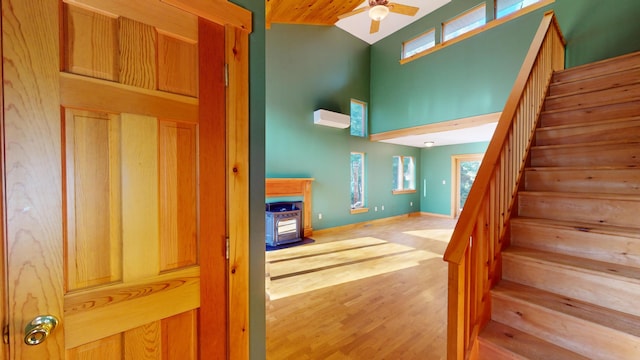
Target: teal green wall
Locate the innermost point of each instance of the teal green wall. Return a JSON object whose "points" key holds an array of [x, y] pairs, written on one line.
{"points": [[314, 67], [475, 76], [435, 167]]}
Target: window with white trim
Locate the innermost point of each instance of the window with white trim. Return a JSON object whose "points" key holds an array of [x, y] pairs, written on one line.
{"points": [[357, 180], [465, 22], [358, 118], [419, 44], [404, 174]]}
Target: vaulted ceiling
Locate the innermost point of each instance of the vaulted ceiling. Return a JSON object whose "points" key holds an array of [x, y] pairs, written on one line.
{"points": [[326, 12]]}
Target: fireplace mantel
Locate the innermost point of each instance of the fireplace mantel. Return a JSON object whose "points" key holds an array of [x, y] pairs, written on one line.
{"points": [[275, 187]]}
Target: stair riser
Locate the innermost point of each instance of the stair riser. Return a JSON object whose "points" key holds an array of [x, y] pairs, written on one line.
{"points": [[596, 83], [582, 243], [621, 154], [590, 340], [594, 98], [583, 115], [623, 130], [611, 181], [600, 68], [613, 292], [616, 212]]}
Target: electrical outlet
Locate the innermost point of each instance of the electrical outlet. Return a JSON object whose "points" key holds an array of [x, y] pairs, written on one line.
{"points": [[411, 203], [444, 182], [375, 208], [319, 216], [382, 208]]}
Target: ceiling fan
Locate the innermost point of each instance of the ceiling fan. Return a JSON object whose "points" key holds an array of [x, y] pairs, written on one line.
{"points": [[379, 9]]}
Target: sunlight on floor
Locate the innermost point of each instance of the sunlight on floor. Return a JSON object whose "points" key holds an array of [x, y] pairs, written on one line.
{"points": [[443, 235], [310, 267]]}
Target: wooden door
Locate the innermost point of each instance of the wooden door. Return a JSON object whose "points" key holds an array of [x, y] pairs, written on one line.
{"points": [[114, 147]]}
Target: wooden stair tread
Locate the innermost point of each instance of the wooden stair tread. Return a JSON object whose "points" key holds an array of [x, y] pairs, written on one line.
{"points": [[630, 85], [620, 77], [605, 317], [595, 143], [577, 195], [589, 123], [626, 273], [517, 343], [597, 68], [589, 108], [578, 226]]}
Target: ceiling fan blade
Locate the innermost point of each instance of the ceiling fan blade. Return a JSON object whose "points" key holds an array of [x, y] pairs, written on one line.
{"points": [[375, 26], [403, 9], [351, 13]]}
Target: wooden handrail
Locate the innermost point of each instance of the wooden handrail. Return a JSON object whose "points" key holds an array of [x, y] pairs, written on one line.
{"points": [[477, 240]]}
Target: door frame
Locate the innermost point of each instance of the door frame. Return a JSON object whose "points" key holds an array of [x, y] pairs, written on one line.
{"points": [[237, 22], [455, 179]]}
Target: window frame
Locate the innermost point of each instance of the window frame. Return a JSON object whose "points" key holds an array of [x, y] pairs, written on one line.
{"points": [[364, 121], [482, 6], [404, 55], [489, 25], [399, 176], [363, 207]]}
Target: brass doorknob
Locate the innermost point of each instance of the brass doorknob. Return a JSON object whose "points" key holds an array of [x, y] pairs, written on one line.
{"points": [[39, 329]]}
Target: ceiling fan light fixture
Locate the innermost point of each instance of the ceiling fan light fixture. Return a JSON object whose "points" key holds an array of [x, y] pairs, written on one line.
{"points": [[378, 12]]}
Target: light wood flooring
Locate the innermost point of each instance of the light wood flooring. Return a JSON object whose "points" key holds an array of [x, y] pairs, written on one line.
{"points": [[376, 291]]}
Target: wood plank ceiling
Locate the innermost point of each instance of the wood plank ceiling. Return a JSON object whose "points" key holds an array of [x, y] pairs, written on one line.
{"points": [[310, 12]]}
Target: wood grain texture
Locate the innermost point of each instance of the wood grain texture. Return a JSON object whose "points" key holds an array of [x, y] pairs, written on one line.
{"points": [[144, 342], [180, 336], [237, 144], [32, 163], [81, 92], [177, 65], [142, 301], [152, 12], [222, 12], [90, 43], [399, 314], [140, 203], [137, 49], [93, 201], [212, 190], [109, 348], [178, 195], [308, 12]]}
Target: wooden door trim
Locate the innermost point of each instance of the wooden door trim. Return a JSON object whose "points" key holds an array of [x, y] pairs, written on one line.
{"points": [[237, 54], [455, 179], [221, 12]]}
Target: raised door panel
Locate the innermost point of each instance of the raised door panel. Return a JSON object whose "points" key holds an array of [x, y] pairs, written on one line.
{"points": [[105, 173]]}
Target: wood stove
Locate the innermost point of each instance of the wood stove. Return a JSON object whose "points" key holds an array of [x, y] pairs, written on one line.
{"points": [[283, 222]]}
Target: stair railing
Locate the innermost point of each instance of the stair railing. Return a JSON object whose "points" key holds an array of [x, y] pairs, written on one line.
{"points": [[473, 253]]}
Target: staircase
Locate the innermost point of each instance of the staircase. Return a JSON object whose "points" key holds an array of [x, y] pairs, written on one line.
{"points": [[570, 285]]}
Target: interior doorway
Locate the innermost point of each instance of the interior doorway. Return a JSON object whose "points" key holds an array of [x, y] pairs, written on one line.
{"points": [[464, 169]]}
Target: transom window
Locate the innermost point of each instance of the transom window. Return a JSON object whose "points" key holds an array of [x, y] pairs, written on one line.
{"points": [[506, 7], [464, 22], [419, 44], [357, 181], [404, 174], [358, 118]]}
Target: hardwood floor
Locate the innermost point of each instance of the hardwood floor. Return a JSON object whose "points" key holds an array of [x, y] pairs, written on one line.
{"points": [[376, 291]]}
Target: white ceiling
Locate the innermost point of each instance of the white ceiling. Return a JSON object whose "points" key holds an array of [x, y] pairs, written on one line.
{"points": [[452, 137], [358, 25]]}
